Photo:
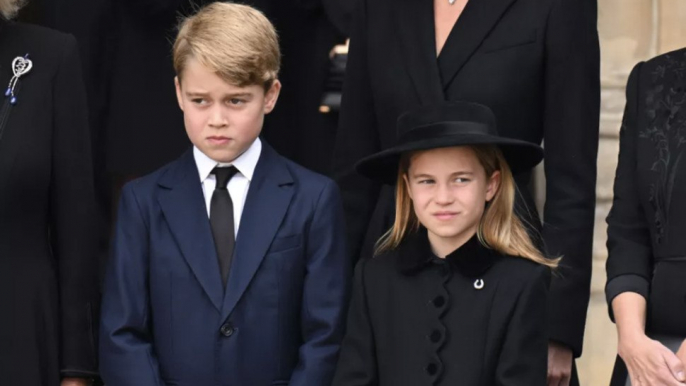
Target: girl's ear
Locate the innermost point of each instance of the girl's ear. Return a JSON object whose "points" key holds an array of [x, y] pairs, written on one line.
{"points": [[493, 185], [407, 186]]}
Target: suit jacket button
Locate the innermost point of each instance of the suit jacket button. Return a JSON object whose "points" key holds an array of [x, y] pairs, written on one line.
{"points": [[227, 330]]}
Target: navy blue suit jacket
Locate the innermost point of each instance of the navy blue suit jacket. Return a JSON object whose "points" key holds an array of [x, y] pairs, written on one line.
{"points": [[166, 318]]}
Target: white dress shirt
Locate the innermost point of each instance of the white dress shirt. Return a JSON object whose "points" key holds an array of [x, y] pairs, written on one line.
{"points": [[238, 185]]}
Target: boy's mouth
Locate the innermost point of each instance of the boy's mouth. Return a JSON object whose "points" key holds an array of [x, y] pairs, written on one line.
{"points": [[218, 140]]}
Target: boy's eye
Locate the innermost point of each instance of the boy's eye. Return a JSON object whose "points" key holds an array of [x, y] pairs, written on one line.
{"points": [[236, 101], [198, 101], [462, 180]]}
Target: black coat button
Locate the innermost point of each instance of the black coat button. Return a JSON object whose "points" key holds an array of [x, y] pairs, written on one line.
{"points": [[439, 301], [435, 336], [431, 369], [227, 330]]}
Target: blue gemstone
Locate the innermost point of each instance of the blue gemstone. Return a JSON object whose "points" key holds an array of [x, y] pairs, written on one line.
{"points": [[8, 92], [13, 101]]}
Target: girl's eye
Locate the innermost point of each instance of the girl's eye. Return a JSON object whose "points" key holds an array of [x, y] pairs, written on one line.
{"points": [[462, 180], [425, 182]]}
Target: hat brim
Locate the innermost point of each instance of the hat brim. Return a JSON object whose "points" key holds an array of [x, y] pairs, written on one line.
{"points": [[521, 156]]}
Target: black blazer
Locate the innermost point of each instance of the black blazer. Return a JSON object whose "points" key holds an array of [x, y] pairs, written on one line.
{"points": [[48, 264], [535, 63], [646, 243], [416, 319]]}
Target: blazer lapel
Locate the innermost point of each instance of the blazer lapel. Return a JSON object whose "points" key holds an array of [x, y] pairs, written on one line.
{"points": [[477, 20], [183, 205], [269, 196], [417, 38]]}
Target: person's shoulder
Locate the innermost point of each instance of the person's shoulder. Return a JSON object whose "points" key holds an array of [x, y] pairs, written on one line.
{"points": [[379, 267], [145, 184], [43, 44], [520, 271], [666, 65], [309, 183], [677, 57]]}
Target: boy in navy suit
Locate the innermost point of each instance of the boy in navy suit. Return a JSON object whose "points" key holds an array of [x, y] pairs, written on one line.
{"points": [[229, 265]]}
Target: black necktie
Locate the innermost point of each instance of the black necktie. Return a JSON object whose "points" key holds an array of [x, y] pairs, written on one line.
{"points": [[221, 220]]}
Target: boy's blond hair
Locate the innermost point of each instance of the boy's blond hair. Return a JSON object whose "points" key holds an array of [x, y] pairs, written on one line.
{"points": [[235, 41]]}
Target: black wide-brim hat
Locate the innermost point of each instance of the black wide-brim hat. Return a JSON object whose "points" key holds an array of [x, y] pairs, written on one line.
{"points": [[446, 125]]}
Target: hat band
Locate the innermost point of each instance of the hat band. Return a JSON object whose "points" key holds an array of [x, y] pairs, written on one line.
{"points": [[444, 129]]}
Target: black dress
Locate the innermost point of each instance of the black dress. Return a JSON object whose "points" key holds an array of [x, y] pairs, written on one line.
{"points": [[48, 265], [535, 63], [647, 223], [475, 318]]}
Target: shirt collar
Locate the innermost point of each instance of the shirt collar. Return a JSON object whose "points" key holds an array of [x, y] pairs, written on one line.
{"points": [[472, 259], [245, 163]]}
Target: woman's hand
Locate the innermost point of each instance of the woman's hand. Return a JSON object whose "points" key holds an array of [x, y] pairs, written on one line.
{"points": [[74, 382], [560, 361], [649, 362], [681, 354]]}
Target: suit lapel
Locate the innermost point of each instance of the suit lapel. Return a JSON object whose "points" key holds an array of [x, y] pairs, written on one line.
{"points": [[477, 20], [183, 205], [269, 196], [415, 29]]}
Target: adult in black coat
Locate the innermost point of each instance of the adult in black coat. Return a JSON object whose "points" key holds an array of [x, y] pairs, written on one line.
{"points": [[536, 64], [646, 265], [48, 253]]}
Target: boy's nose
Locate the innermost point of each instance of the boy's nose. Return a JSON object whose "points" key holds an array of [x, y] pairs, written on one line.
{"points": [[217, 118]]}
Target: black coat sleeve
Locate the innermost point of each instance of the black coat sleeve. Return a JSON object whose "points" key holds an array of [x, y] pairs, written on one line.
{"points": [[571, 121], [523, 360], [357, 136], [357, 362], [629, 263], [72, 221]]}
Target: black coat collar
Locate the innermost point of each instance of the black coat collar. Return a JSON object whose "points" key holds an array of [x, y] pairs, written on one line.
{"points": [[432, 75], [472, 259]]}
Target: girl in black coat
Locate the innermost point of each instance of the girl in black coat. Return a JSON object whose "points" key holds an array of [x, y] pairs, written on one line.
{"points": [[536, 64], [48, 263], [457, 292]]}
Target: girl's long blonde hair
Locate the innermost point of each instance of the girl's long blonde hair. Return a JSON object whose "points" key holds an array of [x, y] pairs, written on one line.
{"points": [[499, 229], [9, 8]]}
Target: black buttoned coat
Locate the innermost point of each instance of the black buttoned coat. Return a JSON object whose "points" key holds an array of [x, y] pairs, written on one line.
{"points": [[476, 318]]}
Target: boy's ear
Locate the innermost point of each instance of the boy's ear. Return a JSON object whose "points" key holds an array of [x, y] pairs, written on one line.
{"points": [[493, 185], [272, 96], [179, 98]]}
